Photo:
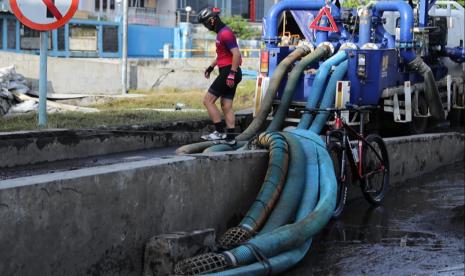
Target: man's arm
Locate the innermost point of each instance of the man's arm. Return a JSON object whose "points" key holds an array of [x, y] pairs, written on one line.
{"points": [[213, 64], [236, 61], [209, 70], [236, 58]]}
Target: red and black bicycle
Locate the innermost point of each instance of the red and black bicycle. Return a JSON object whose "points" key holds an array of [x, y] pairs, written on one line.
{"points": [[352, 152]]}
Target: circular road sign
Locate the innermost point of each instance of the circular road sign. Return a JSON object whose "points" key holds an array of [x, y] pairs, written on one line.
{"points": [[44, 15]]}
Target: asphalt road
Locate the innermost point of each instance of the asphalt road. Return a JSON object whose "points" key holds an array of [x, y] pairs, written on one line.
{"points": [[418, 231]]}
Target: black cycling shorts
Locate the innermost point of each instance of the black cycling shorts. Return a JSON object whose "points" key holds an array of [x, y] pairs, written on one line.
{"points": [[219, 87]]}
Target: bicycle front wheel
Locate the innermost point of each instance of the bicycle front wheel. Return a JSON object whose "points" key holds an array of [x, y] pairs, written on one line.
{"points": [[375, 180], [335, 152]]}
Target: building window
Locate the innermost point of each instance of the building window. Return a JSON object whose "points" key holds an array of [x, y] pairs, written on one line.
{"points": [[105, 2], [137, 3]]}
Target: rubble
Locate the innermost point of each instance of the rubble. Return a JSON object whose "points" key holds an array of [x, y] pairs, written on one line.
{"points": [[13, 98], [10, 83]]}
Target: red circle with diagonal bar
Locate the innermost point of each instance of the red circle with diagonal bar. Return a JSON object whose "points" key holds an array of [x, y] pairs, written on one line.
{"points": [[44, 15]]}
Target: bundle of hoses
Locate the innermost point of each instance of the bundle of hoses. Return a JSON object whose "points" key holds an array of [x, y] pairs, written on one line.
{"points": [[284, 244], [279, 245]]}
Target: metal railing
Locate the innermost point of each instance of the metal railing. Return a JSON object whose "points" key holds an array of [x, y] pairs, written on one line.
{"points": [[142, 16]]}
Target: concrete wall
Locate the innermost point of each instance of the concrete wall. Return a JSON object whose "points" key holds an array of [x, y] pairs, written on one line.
{"points": [[102, 76], [166, 7], [412, 156], [97, 220], [24, 148]]}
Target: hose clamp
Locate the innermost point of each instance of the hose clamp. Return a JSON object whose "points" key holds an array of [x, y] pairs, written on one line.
{"points": [[348, 45], [328, 44], [306, 44], [370, 46], [230, 258]]}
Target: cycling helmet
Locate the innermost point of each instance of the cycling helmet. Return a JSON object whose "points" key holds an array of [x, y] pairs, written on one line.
{"points": [[205, 15]]}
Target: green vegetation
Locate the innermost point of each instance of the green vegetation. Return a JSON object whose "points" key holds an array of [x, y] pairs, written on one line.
{"points": [[351, 3], [241, 27], [168, 98], [75, 120], [132, 111]]}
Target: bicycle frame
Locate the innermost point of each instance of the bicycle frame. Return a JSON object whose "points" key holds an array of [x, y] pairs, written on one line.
{"points": [[343, 130]]}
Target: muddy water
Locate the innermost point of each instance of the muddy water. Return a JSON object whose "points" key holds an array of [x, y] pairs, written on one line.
{"points": [[418, 231]]}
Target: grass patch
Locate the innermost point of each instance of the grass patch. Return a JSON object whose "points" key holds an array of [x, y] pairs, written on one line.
{"points": [[124, 111], [76, 120], [167, 98]]}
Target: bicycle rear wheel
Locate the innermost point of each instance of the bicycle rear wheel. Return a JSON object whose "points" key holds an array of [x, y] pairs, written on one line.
{"points": [[335, 152], [375, 169]]}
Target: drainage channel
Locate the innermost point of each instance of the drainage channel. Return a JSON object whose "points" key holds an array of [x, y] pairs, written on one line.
{"points": [[79, 163], [418, 231]]}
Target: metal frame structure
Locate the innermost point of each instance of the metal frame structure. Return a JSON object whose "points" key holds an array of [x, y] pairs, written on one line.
{"points": [[54, 51]]}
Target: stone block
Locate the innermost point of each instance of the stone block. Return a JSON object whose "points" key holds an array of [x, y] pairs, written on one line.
{"points": [[162, 252]]}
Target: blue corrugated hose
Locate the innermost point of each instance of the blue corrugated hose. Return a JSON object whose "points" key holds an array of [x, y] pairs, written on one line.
{"points": [[318, 86], [285, 211], [291, 236], [328, 97]]}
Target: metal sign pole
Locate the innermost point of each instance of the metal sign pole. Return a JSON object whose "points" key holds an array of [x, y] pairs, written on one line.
{"points": [[124, 58], [43, 79]]}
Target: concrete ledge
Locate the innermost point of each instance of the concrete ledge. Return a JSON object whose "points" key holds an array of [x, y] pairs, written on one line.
{"points": [[30, 148], [26, 148], [412, 156], [97, 220]]}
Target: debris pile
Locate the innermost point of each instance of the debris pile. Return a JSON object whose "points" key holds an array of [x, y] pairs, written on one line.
{"points": [[11, 83], [13, 98]]}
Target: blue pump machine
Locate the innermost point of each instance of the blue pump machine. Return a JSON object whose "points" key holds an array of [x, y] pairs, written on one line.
{"points": [[378, 60]]}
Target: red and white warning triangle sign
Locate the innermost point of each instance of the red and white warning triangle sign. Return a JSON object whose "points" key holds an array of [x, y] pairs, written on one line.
{"points": [[44, 15], [325, 11]]}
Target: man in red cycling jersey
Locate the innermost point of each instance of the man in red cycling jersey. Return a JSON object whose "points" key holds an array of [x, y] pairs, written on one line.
{"points": [[228, 61]]}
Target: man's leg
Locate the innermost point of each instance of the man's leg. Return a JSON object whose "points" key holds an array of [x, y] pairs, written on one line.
{"points": [[209, 103], [226, 106]]}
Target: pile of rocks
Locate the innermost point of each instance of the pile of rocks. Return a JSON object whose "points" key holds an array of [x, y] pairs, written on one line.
{"points": [[10, 83]]}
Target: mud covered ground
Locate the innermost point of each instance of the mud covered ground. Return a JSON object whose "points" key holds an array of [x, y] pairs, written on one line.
{"points": [[418, 231]]}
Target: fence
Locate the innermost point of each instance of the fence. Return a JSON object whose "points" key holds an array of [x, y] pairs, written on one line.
{"points": [[79, 38]]}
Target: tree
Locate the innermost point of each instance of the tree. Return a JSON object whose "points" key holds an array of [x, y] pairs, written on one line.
{"points": [[241, 27]]}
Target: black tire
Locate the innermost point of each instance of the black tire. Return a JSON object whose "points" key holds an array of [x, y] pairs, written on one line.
{"points": [[374, 186], [419, 125], [335, 152]]}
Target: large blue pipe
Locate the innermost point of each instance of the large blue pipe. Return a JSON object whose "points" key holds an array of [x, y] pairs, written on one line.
{"points": [[274, 13], [388, 40], [364, 30], [274, 181], [287, 206], [322, 36], [406, 25], [328, 97], [284, 261], [318, 86], [456, 54], [310, 195]]}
